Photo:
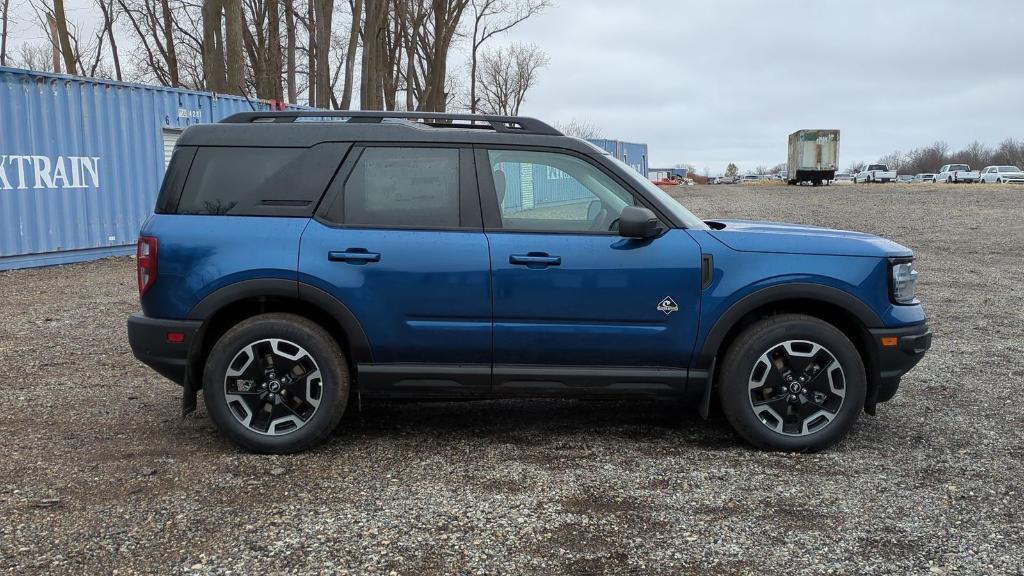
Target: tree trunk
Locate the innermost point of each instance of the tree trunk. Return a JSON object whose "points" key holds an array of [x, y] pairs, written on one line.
{"points": [[350, 55], [213, 47], [325, 10], [54, 43], [172, 56], [289, 23], [311, 51], [63, 38], [5, 16], [234, 53], [108, 25], [274, 68]]}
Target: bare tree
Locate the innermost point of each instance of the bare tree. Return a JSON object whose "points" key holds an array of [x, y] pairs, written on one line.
{"points": [[507, 74], [290, 49], [854, 167], [447, 14], [324, 13], [213, 46], [5, 15], [579, 128], [64, 39], [109, 17], [155, 28], [33, 57], [492, 17], [350, 54], [234, 40]]}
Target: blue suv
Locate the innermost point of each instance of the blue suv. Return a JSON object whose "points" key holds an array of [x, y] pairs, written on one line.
{"points": [[299, 260]]}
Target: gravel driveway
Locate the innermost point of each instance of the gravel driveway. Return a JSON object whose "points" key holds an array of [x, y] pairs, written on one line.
{"points": [[100, 475]]}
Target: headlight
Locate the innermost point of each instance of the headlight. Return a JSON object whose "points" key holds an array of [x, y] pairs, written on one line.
{"points": [[904, 282]]}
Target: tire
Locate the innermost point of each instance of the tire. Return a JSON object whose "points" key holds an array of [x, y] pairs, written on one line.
{"points": [[999, 181], [949, 179], [829, 408], [299, 417]]}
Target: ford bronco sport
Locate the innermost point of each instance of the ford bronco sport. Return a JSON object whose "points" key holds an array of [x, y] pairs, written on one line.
{"points": [[296, 260]]}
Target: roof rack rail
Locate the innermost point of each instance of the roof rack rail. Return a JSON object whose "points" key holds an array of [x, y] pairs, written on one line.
{"points": [[511, 124]]}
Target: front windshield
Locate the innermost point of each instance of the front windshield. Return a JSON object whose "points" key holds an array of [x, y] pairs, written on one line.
{"points": [[1009, 169], [681, 214]]}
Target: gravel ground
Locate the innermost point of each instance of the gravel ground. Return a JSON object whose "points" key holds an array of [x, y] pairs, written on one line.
{"points": [[101, 475]]}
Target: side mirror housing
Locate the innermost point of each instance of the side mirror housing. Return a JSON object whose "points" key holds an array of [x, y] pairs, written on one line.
{"points": [[638, 222]]}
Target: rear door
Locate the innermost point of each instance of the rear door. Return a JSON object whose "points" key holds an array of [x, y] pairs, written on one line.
{"points": [[398, 240], [577, 308]]}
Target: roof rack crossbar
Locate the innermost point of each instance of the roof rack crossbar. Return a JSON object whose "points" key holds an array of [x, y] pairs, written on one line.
{"points": [[512, 124]]}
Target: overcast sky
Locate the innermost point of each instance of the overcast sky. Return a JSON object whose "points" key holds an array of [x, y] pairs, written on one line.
{"points": [[718, 81]]}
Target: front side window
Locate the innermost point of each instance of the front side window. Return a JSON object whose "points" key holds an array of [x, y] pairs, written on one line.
{"points": [[549, 191], [398, 186]]}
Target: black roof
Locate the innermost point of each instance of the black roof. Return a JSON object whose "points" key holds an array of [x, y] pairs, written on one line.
{"points": [[307, 128]]}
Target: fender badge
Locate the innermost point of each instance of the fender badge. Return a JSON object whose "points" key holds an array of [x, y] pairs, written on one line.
{"points": [[668, 305]]}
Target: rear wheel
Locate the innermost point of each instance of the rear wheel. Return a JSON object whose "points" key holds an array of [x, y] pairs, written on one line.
{"points": [[276, 383], [793, 383]]}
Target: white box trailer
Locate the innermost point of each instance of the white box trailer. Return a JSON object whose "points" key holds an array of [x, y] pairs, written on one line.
{"points": [[813, 156]]}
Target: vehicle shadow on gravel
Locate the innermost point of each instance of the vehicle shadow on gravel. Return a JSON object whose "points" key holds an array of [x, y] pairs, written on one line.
{"points": [[539, 421]]}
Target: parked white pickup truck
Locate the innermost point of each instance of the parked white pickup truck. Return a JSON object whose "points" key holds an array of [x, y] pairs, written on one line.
{"points": [[875, 173], [956, 173]]}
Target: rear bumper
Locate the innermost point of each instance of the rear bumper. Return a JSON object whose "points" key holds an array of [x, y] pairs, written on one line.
{"points": [[150, 344], [894, 361]]}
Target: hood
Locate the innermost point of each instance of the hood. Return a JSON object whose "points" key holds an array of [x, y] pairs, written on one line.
{"points": [[775, 237]]}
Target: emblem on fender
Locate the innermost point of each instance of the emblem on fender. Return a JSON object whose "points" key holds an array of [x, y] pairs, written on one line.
{"points": [[668, 305]]}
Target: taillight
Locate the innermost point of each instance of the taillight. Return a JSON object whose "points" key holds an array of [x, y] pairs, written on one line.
{"points": [[147, 259]]}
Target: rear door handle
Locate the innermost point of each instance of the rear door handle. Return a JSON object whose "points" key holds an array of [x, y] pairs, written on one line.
{"points": [[354, 256], [535, 260]]}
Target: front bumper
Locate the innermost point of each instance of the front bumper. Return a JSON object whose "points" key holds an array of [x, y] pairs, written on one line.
{"points": [[897, 350], [152, 345]]}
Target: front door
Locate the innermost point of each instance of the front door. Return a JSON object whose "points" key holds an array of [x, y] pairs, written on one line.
{"points": [[577, 308]]}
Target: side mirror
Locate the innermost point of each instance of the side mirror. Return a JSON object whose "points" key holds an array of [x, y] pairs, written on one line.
{"points": [[638, 222]]}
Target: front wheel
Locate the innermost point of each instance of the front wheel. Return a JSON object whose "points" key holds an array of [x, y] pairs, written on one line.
{"points": [[276, 383], [792, 383]]}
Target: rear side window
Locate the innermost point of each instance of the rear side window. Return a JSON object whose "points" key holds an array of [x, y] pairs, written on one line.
{"points": [[249, 181], [402, 186]]}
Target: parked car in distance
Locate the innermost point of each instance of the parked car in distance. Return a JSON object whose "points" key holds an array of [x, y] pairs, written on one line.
{"points": [[292, 267], [875, 173], [1002, 175], [843, 178], [924, 177], [951, 173], [904, 178], [751, 178]]}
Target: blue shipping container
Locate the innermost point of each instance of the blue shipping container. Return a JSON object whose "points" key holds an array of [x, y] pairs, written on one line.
{"points": [[546, 186], [81, 161], [629, 152]]}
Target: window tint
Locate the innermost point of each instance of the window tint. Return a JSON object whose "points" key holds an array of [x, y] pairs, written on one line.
{"points": [[414, 187], [244, 181], [555, 192]]}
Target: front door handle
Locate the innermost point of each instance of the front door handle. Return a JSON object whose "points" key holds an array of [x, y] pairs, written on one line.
{"points": [[535, 260], [354, 256]]}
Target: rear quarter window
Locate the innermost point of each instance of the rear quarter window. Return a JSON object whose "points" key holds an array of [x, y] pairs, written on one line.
{"points": [[259, 181]]}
